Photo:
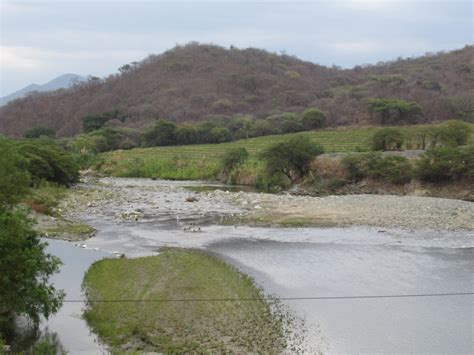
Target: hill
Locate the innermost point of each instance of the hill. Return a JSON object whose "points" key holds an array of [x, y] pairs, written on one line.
{"points": [[192, 82], [61, 82]]}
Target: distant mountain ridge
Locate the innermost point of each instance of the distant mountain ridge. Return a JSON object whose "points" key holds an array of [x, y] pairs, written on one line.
{"points": [[198, 82], [61, 82]]}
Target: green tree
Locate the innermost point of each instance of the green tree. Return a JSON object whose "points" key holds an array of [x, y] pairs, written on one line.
{"points": [[220, 135], [25, 268], [187, 134], [387, 139], [39, 131], [161, 134], [14, 176], [454, 133], [292, 157], [48, 161], [313, 118], [392, 111]]}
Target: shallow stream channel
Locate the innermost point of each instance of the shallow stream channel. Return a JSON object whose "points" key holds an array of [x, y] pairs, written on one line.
{"points": [[318, 272]]}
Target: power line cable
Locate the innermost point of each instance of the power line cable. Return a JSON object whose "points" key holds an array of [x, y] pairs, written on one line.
{"points": [[275, 298]]}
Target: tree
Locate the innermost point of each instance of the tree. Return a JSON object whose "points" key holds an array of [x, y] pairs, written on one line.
{"points": [[24, 265], [392, 111], [46, 160], [387, 139], [14, 176], [187, 134], [25, 268], [454, 133], [161, 134], [39, 131], [220, 135], [313, 119], [291, 157]]}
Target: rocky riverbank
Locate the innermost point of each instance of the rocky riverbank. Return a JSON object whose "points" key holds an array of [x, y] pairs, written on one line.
{"points": [[179, 204]]}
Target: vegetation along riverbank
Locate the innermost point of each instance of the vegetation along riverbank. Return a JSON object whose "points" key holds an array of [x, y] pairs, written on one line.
{"points": [[371, 160]]}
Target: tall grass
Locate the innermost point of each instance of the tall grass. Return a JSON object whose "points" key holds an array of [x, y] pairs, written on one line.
{"points": [[175, 168]]}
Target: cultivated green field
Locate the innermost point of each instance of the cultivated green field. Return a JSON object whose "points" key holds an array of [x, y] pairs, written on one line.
{"points": [[202, 161]]}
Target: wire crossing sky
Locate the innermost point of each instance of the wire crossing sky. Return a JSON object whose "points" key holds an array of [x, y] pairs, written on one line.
{"points": [[44, 39]]}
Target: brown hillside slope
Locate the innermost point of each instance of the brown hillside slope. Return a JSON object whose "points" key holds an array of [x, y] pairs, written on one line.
{"points": [[192, 82]]}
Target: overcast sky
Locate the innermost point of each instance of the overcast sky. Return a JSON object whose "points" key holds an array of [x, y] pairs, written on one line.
{"points": [[43, 39]]}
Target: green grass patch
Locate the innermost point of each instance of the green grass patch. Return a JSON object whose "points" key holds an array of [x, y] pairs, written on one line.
{"points": [[69, 228], [171, 327]]}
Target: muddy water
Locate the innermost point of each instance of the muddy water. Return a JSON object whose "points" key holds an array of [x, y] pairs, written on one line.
{"points": [[301, 262]]}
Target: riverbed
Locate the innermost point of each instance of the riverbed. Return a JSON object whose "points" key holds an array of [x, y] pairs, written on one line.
{"points": [[358, 260]]}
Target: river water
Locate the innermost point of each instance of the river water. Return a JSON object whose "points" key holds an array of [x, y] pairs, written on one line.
{"points": [[295, 262]]}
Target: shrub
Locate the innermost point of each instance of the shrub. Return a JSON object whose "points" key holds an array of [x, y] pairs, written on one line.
{"points": [[232, 158], [356, 165], [395, 170], [313, 119], [39, 131], [387, 139], [291, 158], [446, 163], [161, 134]]}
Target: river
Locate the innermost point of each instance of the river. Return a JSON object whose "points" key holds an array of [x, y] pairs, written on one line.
{"points": [[294, 263]]}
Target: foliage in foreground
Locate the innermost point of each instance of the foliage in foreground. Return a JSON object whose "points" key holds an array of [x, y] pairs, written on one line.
{"points": [[25, 267], [170, 327], [25, 270]]}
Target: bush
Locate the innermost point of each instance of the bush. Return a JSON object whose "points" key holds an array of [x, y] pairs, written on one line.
{"points": [[395, 170], [39, 131], [446, 163], [387, 139], [47, 161], [291, 158], [163, 133], [313, 119], [232, 158]]}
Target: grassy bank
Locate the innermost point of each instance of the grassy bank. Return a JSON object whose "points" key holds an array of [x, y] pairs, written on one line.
{"points": [[222, 326]]}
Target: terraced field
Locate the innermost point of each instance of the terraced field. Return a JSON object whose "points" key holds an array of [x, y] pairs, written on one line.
{"points": [[332, 141], [202, 161]]}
